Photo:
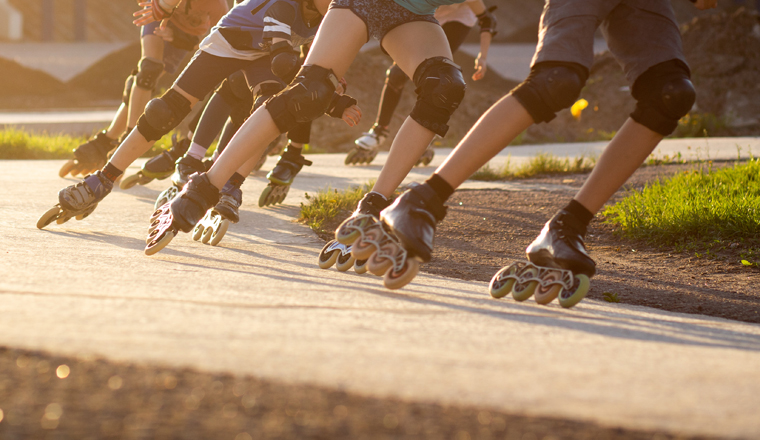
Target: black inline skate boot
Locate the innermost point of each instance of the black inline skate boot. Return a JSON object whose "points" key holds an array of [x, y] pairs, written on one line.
{"points": [[413, 218], [159, 167], [182, 214], [216, 222], [282, 176], [89, 156], [366, 147], [78, 200], [559, 266], [186, 167]]}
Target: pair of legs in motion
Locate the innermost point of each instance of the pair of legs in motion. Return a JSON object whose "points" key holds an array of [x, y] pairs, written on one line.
{"points": [[158, 57], [645, 39], [415, 42]]}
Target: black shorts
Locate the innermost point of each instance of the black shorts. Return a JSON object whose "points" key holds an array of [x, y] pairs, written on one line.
{"points": [[380, 16]]}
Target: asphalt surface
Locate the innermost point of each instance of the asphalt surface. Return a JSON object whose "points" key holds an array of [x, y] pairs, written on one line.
{"points": [[258, 305]]}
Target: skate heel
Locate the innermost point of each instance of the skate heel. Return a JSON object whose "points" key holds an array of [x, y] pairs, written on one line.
{"points": [[162, 230], [524, 279], [211, 229]]}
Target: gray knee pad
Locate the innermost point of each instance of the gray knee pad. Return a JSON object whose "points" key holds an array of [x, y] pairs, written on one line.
{"points": [[163, 115], [395, 78], [440, 90], [148, 72], [551, 87], [127, 93], [307, 98], [664, 94]]}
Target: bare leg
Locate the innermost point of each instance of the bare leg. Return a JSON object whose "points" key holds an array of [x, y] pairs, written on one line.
{"points": [[119, 123], [340, 37], [153, 47], [135, 145], [622, 157], [412, 139], [498, 126]]}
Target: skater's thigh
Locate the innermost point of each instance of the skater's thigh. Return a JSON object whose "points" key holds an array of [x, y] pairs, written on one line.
{"points": [[641, 34], [340, 37], [412, 43], [204, 73], [566, 31]]}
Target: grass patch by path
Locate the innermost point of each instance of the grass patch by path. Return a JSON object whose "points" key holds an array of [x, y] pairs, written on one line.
{"points": [[18, 144], [328, 205], [541, 164], [701, 211]]}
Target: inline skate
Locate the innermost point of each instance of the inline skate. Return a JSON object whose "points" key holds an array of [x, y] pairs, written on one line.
{"points": [[282, 176], [90, 156], [213, 226], [78, 200], [186, 167], [365, 149], [182, 213], [159, 167], [426, 157], [558, 266]]}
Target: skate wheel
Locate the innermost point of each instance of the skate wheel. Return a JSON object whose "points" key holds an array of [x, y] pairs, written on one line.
{"points": [[360, 267], [350, 157], [144, 180], [48, 217], [568, 299], [198, 231], [264, 198], [501, 290], [63, 218], [155, 245], [207, 233], [362, 250], [66, 168], [378, 265], [327, 258], [219, 234], [129, 182], [521, 292], [395, 280], [545, 295], [345, 262]]}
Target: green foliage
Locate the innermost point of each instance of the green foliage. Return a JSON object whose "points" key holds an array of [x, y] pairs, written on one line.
{"points": [[697, 211], [611, 297], [698, 125], [18, 144], [541, 164], [330, 203]]}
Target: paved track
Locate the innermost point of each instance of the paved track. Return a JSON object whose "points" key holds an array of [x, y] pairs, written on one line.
{"points": [[259, 305]]}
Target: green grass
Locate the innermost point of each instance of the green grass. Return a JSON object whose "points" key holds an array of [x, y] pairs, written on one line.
{"points": [[541, 164], [701, 211], [17, 144], [329, 204]]}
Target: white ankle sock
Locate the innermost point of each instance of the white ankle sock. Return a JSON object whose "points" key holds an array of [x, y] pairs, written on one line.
{"points": [[196, 151]]}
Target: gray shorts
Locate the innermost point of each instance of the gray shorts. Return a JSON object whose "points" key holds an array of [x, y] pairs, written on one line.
{"points": [[380, 16], [639, 33]]}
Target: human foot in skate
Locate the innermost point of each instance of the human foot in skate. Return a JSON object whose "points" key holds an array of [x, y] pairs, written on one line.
{"points": [[78, 200], [559, 265], [90, 156], [282, 176], [182, 213], [159, 167], [366, 146], [186, 167], [211, 229]]}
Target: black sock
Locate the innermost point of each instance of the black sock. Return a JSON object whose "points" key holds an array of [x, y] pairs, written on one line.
{"points": [[237, 180], [111, 172], [579, 211], [441, 187]]}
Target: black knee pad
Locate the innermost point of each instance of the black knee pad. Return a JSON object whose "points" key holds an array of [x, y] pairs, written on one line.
{"points": [[395, 78], [307, 97], [664, 94], [163, 115], [148, 72], [440, 90], [236, 88], [264, 91], [550, 87], [125, 95]]}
